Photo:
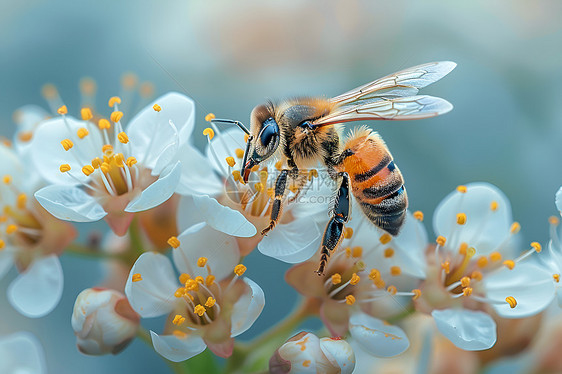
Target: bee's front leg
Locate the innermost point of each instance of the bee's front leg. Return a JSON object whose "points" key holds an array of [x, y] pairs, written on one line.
{"points": [[277, 207]]}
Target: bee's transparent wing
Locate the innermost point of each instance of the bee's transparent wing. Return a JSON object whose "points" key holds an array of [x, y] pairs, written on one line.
{"points": [[401, 84]]}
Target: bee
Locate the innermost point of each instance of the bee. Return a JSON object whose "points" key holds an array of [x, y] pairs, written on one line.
{"points": [[303, 132]]}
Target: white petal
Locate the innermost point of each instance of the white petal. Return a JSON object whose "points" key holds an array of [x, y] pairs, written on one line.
{"points": [[530, 285], [157, 192], [6, 261], [293, 242], [223, 218], [153, 295], [559, 200], [467, 329], [484, 229], [70, 203], [197, 176], [177, 349], [248, 308], [377, 338], [201, 240], [37, 291], [303, 354], [224, 145], [168, 155], [339, 353], [21, 353]]}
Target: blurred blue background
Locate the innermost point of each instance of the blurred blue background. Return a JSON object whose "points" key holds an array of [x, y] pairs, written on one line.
{"points": [[231, 55]]}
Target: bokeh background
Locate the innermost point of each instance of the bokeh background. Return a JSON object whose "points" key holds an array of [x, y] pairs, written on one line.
{"points": [[506, 127]]}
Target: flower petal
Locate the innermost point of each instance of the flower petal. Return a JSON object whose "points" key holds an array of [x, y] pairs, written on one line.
{"points": [[153, 295], [37, 291], [376, 337], [168, 155], [70, 203], [248, 308], [559, 200], [157, 192], [196, 178], [223, 218], [22, 353], [467, 329], [6, 261], [201, 240], [302, 354], [224, 145], [339, 353], [177, 349]]}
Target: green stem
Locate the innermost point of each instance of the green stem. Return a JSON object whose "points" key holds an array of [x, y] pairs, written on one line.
{"points": [[176, 367], [85, 251], [135, 236]]}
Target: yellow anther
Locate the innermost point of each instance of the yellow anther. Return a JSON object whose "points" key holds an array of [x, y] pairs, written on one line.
{"points": [[116, 116], [357, 251], [259, 187], [461, 219], [87, 170], [210, 302], [417, 294], [25, 136], [178, 320], [461, 189], [446, 266], [312, 174], [21, 201], [184, 278], [107, 149], [556, 277], [209, 117], [131, 161], [180, 292], [49, 91], [392, 290], [255, 168], [379, 283], [174, 242], [553, 220], [209, 132], [374, 274], [119, 159], [350, 299], [482, 261], [347, 252], [67, 144], [354, 279], [536, 246], [202, 261], [470, 252], [279, 165], [129, 81], [236, 175], [462, 248], [123, 138], [246, 137], [82, 132], [494, 206], [239, 152], [7, 179], [86, 114], [388, 253], [465, 282], [515, 227], [347, 233], [191, 285], [510, 264], [441, 240], [336, 278], [2, 244], [179, 334], [62, 110], [3, 219], [104, 167], [104, 124], [199, 279], [114, 100], [511, 301], [10, 229], [239, 270], [156, 107], [210, 280], [199, 310], [495, 256], [476, 275], [385, 238], [418, 215], [467, 291], [230, 161], [136, 277], [395, 270], [64, 168]]}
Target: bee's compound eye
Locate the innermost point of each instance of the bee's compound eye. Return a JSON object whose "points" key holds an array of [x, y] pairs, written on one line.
{"points": [[269, 132]]}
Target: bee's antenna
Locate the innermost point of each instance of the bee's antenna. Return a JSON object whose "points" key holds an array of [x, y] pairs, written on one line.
{"points": [[232, 122]]}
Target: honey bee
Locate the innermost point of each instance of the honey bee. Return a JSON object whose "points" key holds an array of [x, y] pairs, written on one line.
{"points": [[303, 132]]}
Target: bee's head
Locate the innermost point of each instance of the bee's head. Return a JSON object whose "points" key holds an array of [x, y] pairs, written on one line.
{"points": [[264, 138]]}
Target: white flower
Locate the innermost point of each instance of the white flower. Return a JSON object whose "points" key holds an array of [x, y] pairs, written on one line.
{"points": [[554, 259], [98, 170], [212, 186], [103, 321], [211, 303], [306, 353], [21, 353]]}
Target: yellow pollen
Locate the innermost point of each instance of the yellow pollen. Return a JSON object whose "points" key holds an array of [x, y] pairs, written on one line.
{"points": [[199, 310], [495, 256], [88, 86], [510, 264], [230, 161], [156, 107], [259, 187], [62, 110], [180, 292], [306, 363], [388, 253], [136, 277], [178, 320], [209, 117], [255, 168], [379, 283], [445, 266], [392, 290], [2, 244], [461, 219], [350, 299], [25, 136], [461, 189], [7, 179], [354, 279], [556, 277], [418, 215], [476, 275], [356, 252], [536, 246], [49, 91], [239, 270], [462, 249], [236, 175], [3, 219], [191, 285], [116, 116], [553, 220], [104, 167], [22, 200], [179, 334], [441, 240], [104, 124], [67, 144], [123, 138], [184, 278], [10, 229], [246, 137], [515, 227], [86, 114], [482, 261], [312, 174], [129, 80], [131, 161], [202, 261], [114, 100], [336, 278], [210, 302], [494, 206], [347, 232], [64, 168], [467, 291], [279, 165], [385, 238], [465, 282], [107, 149], [374, 274], [199, 279], [87, 170], [82, 132], [417, 294], [210, 280], [395, 270], [239, 152], [209, 132], [174, 242], [511, 301]]}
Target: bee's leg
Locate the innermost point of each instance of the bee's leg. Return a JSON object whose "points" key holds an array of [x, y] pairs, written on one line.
{"points": [[298, 186], [334, 230], [277, 207]]}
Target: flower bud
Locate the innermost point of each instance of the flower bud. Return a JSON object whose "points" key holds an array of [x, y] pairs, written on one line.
{"points": [[305, 353], [103, 321]]}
